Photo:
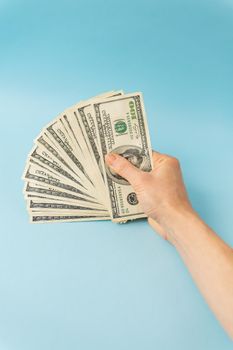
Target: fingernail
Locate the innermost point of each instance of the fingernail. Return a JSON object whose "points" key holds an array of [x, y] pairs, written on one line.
{"points": [[110, 158]]}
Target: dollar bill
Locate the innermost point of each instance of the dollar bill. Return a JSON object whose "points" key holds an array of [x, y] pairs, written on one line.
{"points": [[65, 218], [65, 175], [122, 129], [36, 190], [41, 156], [40, 205], [37, 174]]}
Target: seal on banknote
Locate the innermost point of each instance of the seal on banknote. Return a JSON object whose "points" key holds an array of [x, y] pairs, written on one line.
{"points": [[132, 198]]}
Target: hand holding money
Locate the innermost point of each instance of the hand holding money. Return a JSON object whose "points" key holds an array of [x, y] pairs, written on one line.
{"points": [[66, 177], [161, 192]]}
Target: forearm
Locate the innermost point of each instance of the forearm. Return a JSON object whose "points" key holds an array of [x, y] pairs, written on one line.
{"points": [[163, 197], [209, 260]]}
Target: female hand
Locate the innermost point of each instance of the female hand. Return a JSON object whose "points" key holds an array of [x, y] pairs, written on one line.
{"points": [[160, 192]]}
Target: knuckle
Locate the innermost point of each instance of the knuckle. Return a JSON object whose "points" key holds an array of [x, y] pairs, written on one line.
{"points": [[143, 176], [175, 162]]}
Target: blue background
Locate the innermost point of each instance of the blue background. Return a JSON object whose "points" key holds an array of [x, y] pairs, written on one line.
{"points": [[100, 285]]}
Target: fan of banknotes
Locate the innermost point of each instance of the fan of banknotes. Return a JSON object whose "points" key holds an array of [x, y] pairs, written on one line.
{"points": [[66, 177]]}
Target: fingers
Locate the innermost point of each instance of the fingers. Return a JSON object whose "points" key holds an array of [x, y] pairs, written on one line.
{"points": [[123, 167], [158, 158], [128, 171]]}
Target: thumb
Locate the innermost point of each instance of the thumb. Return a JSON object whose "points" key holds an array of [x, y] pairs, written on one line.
{"points": [[123, 167]]}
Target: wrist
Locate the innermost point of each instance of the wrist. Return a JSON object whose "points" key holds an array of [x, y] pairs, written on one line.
{"points": [[177, 221]]}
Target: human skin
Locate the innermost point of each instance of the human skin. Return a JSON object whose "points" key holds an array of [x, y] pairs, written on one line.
{"points": [[163, 197]]}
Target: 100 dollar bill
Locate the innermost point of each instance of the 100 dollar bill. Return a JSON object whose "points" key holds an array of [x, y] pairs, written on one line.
{"points": [[122, 128]]}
